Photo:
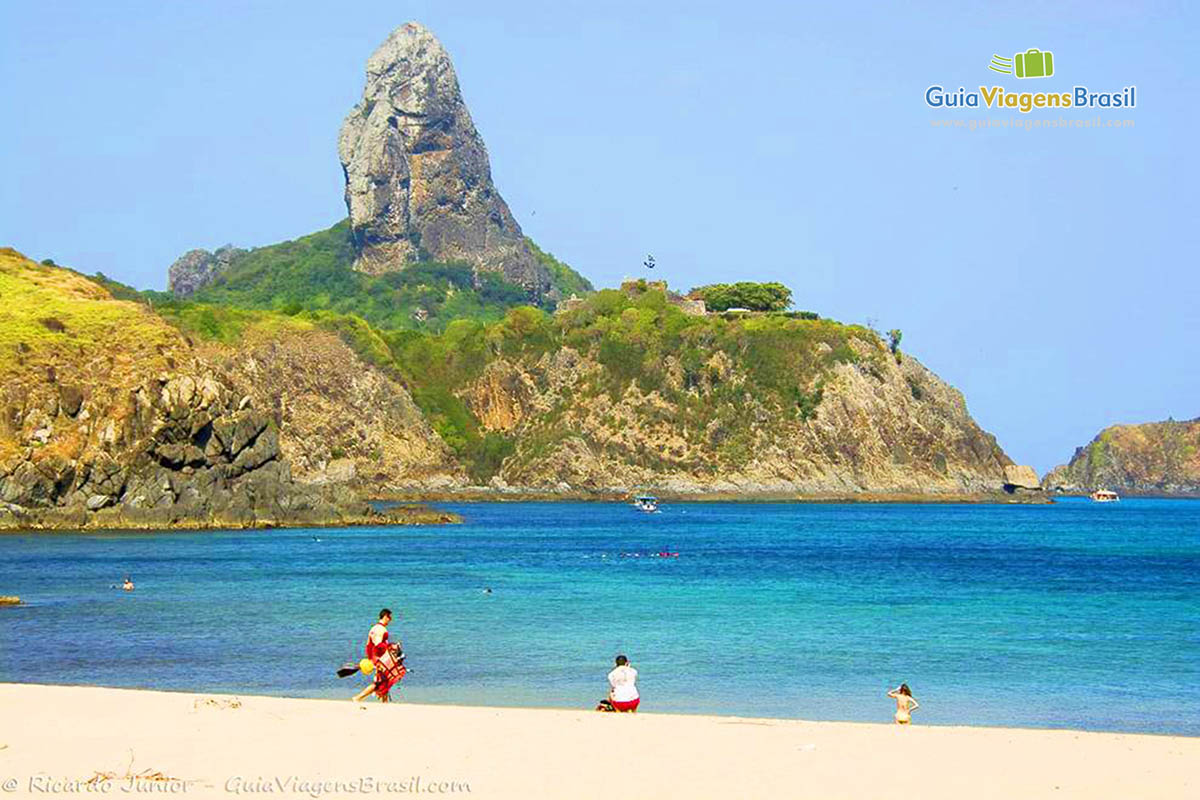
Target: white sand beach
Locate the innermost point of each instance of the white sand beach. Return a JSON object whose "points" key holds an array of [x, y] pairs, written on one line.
{"points": [[54, 738]]}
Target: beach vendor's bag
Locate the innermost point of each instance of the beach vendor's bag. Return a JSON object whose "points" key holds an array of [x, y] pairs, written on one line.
{"points": [[389, 670]]}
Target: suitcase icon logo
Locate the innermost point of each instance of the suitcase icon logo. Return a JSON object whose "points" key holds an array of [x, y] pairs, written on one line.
{"points": [[1033, 63]]}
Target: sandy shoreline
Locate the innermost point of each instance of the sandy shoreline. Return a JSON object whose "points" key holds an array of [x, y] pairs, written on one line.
{"points": [[53, 739]]}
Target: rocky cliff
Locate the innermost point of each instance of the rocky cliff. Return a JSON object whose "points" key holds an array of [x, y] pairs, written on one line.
{"points": [[869, 433], [1152, 458], [196, 269], [417, 172], [768, 405], [117, 416], [341, 420], [113, 418]]}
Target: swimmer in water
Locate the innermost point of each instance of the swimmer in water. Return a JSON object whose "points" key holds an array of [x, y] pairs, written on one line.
{"points": [[487, 590], [905, 703], [127, 585]]}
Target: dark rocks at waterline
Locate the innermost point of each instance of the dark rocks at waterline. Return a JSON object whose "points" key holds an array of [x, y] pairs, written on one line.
{"points": [[185, 452]]}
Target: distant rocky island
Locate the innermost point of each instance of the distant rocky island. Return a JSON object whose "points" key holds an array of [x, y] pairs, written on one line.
{"points": [[1154, 458], [425, 347]]}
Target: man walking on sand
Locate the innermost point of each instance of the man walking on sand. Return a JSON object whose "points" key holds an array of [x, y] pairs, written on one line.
{"points": [[377, 646]]}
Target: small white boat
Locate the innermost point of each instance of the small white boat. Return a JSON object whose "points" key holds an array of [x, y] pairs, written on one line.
{"points": [[646, 503], [1105, 496]]}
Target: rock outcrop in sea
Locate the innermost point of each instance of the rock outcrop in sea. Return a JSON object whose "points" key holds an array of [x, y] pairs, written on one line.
{"points": [[1020, 478], [417, 173], [1155, 458]]}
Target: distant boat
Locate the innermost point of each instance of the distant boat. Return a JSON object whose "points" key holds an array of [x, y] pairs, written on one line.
{"points": [[1105, 496], [646, 503]]}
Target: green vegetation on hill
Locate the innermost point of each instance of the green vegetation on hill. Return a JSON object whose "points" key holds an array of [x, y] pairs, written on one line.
{"points": [[642, 338], [637, 335], [314, 274], [745, 294], [47, 310], [566, 280], [435, 366], [707, 367], [426, 324]]}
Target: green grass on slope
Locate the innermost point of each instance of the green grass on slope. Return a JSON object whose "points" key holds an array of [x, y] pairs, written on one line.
{"points": [[566, 280], [314, 273]]}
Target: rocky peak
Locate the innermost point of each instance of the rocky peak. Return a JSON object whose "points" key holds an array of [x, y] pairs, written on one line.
{"points": [[196, 269], [417, 172]]}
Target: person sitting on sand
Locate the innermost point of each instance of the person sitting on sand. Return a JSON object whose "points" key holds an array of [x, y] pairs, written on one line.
{"points": [[377, 645], [622, 683], [127, 585], [905, 704]]}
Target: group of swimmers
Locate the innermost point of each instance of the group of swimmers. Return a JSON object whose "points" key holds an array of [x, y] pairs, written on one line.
{"points": [[657, 554], [387, 662]]}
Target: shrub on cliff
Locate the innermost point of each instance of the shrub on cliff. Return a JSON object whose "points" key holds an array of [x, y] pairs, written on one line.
{"points": [[745, 294]]}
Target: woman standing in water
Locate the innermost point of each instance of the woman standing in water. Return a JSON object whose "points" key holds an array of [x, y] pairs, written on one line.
{"points": [[905, 704]]}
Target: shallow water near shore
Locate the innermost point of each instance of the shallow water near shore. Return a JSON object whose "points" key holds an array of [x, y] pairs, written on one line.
{"points": [[1073, 615]]}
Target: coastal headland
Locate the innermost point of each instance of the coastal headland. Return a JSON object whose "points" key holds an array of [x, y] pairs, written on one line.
{"points": [[431, 350]]}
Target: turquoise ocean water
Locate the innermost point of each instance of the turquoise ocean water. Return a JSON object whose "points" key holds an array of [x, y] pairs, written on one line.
{"points": [[1068, 615]]}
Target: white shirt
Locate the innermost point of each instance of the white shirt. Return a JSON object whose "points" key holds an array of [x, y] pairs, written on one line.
{"points": [[377, 632], [623, 681]]}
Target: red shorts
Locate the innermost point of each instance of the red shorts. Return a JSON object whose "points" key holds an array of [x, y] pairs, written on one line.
{"points": [[628, 705]]}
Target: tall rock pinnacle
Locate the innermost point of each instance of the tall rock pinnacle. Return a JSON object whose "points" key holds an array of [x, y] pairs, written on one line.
{"points": [[417, 172]]}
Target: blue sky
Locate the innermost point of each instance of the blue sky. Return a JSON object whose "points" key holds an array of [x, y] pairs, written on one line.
{"points": [[1048, 274]]}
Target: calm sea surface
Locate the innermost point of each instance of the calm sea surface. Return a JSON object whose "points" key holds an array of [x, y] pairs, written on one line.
{"points": [[1071, 615]]}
